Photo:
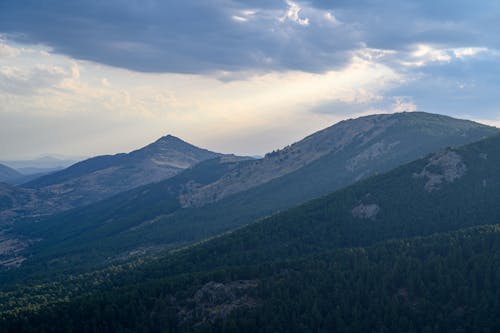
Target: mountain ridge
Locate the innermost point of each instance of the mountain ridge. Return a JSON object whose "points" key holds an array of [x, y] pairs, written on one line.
{"points": [[419, 242], [153, 217], [330, 140]]}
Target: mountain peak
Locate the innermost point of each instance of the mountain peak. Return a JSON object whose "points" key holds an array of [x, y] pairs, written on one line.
{"points": [[169, 137], [170, 143], [170, 140]]}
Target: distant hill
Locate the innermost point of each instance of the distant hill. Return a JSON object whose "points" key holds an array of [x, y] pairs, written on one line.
{"points": [[102, 176], [8, 174], [41, 164], [192, 205], [413, 249], [33, 171], [28, 170]]}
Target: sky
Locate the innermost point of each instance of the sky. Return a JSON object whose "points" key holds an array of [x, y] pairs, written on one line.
{"points": [[90, 77]]}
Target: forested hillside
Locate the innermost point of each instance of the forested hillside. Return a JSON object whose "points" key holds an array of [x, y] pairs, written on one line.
{"points": [[445, 282]]}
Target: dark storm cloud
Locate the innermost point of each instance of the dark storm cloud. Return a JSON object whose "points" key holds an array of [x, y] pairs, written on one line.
{"points": [[194, 36], [177, 36]]}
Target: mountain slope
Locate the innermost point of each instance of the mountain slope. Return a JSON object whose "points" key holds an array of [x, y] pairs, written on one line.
{"points": [[348, 151], [449, 190], [151, 218], [445, 282], [346, 261], [7, 175]]}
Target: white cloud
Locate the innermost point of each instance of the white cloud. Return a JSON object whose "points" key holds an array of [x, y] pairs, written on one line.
{"points": [[7, 51], [330, 17], [239, 18], [75, 71], [403, 104], [465, 52], [105, 82], [425, 54], [293, 14], [372, 54], [244, 15], [30, 81]]}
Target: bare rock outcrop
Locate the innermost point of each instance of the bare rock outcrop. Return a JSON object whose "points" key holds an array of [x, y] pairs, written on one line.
{"points": [[365, 211], [445, 167], [374, 151], [217, 300]]}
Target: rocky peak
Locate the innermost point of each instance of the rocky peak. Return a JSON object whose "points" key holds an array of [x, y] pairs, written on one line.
{"points": [[172, 143], [170, 150], [170, 139], [168, 142]]}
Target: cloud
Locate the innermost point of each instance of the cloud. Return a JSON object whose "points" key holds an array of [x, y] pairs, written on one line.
{"points": [[239, 68], [7, 51], [184, 37], [422, 55], [293, 14], [464, 85], [403, 104], [20, 81], [234, 35], [60, 90]]}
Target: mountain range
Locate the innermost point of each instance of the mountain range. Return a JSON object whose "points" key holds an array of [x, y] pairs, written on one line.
{"points": [[23, 171], [224, 193], [414, 248], [42, 164]]}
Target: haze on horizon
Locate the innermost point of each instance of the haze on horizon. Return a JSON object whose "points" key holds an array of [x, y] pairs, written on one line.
{"points": [[88, 77]]}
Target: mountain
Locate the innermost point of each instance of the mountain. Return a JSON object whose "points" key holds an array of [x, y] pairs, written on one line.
{"points": [[41, 164], [102, 176], [347, 152], [20, 176], [19, 172], [16, 177], [34, 171], [413, 249], [183, 209], [8, 174], [12, 196]]}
